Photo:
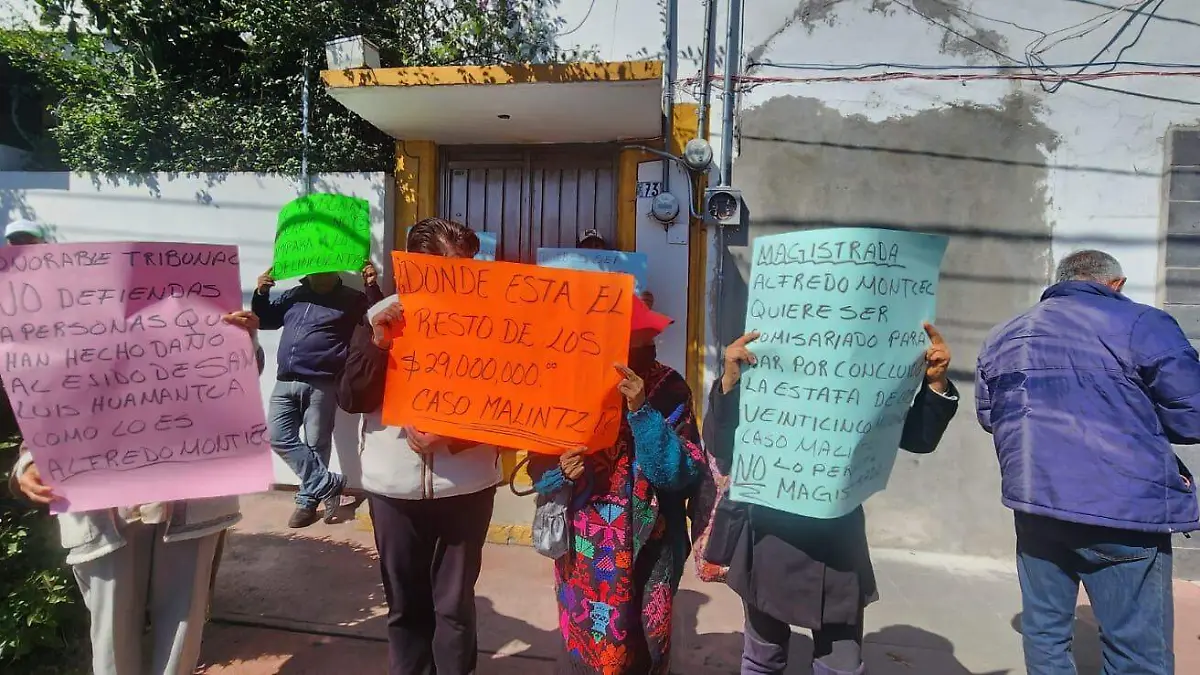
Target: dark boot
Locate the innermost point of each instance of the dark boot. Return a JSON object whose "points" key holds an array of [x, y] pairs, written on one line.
{"points": [[333, 503], [303, 516]]}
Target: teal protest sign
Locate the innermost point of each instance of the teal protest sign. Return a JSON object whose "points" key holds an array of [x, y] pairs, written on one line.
{"points": [[593, 260], [322, 233], [840, 358]]}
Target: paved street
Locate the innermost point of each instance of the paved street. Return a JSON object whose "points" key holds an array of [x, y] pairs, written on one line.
{"points": [[311, 604]]}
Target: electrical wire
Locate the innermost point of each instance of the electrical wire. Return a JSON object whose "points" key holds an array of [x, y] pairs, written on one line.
{"points": [[1035, 49], [1085, 80], [1113, 40], [950, 29], [755, 80], [582, 21], [1137, 38], [938, 67]]}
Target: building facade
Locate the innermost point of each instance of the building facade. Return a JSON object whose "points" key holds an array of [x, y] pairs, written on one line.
{"points": [[1021, 129]]}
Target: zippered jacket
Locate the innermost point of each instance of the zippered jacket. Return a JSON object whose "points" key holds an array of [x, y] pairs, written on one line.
{"points": [[390, 467], [1084, 395], [316, 328]]}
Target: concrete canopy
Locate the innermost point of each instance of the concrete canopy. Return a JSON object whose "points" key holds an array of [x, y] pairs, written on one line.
{"points": [[466, 105]]}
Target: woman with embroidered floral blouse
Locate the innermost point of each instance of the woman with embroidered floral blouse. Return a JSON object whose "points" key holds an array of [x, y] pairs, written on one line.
{"points": [[629, 540]]}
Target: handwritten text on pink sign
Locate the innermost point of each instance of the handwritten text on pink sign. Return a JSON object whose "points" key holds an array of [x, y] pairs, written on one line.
{"points": [[126, 384]]}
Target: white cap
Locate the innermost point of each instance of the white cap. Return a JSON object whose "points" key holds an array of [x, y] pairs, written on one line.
{"points": [[22, 226]]}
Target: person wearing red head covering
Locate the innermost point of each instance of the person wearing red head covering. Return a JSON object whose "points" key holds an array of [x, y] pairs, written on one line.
{"points": [[616, 583]]}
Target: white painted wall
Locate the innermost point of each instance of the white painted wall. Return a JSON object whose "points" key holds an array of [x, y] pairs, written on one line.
{"points": [[12, 159], [1118, 211], [667, 251], [236, 208]]}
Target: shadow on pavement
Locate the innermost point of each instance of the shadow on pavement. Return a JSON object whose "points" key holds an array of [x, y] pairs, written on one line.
{"points": [[311, 603], [297, 605], [907, 649]]}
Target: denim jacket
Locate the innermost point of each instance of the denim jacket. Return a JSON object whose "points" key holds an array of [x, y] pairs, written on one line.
{"points": [[91, 535]]}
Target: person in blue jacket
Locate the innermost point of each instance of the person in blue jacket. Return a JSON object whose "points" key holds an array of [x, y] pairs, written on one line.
{"points": [[318, 318], [1084, 395]]}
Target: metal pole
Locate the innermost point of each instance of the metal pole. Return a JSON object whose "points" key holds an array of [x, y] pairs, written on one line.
{"points": [[710, 49], [305, 183], [733, 60], [672, 50]]}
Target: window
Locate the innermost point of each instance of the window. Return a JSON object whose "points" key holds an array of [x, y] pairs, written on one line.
{"points": [[1183, 232]]}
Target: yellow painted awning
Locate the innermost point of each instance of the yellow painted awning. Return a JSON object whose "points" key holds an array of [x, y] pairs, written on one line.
{"points": [[518, 104]]}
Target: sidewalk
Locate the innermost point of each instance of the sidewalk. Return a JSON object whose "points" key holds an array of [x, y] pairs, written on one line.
{"points": [[310, 603]]}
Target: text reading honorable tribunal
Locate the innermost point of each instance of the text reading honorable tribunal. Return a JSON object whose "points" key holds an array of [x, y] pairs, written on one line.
{"points": [[127, 385], [514, 355]]}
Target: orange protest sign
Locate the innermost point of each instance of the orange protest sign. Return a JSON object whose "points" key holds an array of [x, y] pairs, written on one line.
{"points": [[513, 355]]}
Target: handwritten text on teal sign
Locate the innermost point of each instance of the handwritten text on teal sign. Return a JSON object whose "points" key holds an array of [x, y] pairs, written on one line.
{"points": [[839, 361]]}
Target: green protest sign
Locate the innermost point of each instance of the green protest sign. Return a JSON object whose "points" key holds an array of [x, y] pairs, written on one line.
{"points": [[322, 233]]}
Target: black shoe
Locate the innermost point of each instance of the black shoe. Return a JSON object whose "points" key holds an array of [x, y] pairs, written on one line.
{"points": [[303, 516], [333, 503]]}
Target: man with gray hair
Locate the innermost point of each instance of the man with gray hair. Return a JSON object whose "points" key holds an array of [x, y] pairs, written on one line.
{"points": [[1084, 394]]}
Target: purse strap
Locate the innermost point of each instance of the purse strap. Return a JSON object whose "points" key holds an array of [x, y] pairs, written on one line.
{"points": [[512, 479]]}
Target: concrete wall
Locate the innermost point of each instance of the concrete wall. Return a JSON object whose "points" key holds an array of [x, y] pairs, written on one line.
{"points": [[234, 208], [1016, 175], [12, 159]]}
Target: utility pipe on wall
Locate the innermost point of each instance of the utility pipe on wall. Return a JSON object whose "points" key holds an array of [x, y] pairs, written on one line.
{"points": [[305, 184], [733, 61], [709, 54], [672, 53]]}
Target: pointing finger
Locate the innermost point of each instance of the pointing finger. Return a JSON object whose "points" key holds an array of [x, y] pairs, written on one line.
{"points": [[747, 338], [935, 337]]}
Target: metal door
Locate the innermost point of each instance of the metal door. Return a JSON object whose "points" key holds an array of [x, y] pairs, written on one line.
{"points": [[532, 197]]}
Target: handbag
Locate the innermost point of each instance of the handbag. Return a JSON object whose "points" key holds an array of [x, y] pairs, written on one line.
{"points": [[717, 542], [552, 524], [551, 533]]}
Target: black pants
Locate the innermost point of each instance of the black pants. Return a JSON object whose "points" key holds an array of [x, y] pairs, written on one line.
{"points": [[837, 649], [430, 552]]}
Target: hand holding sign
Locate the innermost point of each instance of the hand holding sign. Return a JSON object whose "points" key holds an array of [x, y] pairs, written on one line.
{"points": [[937, 360], [421, 442], [737, 353], [30, 482], [265, 282], [370, 275], [387, 324], [244, 319]]}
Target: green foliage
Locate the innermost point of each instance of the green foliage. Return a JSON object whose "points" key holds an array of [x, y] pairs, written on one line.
{"points": [[215, 85], [42, 609]]}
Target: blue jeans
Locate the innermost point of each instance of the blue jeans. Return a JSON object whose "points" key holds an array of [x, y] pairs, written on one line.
{"points": [[311, 406], [1127, 576]]}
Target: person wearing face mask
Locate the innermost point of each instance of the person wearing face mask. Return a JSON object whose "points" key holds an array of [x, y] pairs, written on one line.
{"points": [[317, 318], [616, 583]]}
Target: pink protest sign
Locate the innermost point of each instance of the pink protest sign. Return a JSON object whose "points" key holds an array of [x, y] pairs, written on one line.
{"points": [[127, 385]]}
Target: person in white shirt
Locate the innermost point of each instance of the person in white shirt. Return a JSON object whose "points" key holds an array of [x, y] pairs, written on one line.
{"points": [[430, 497], [144, 559]]}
